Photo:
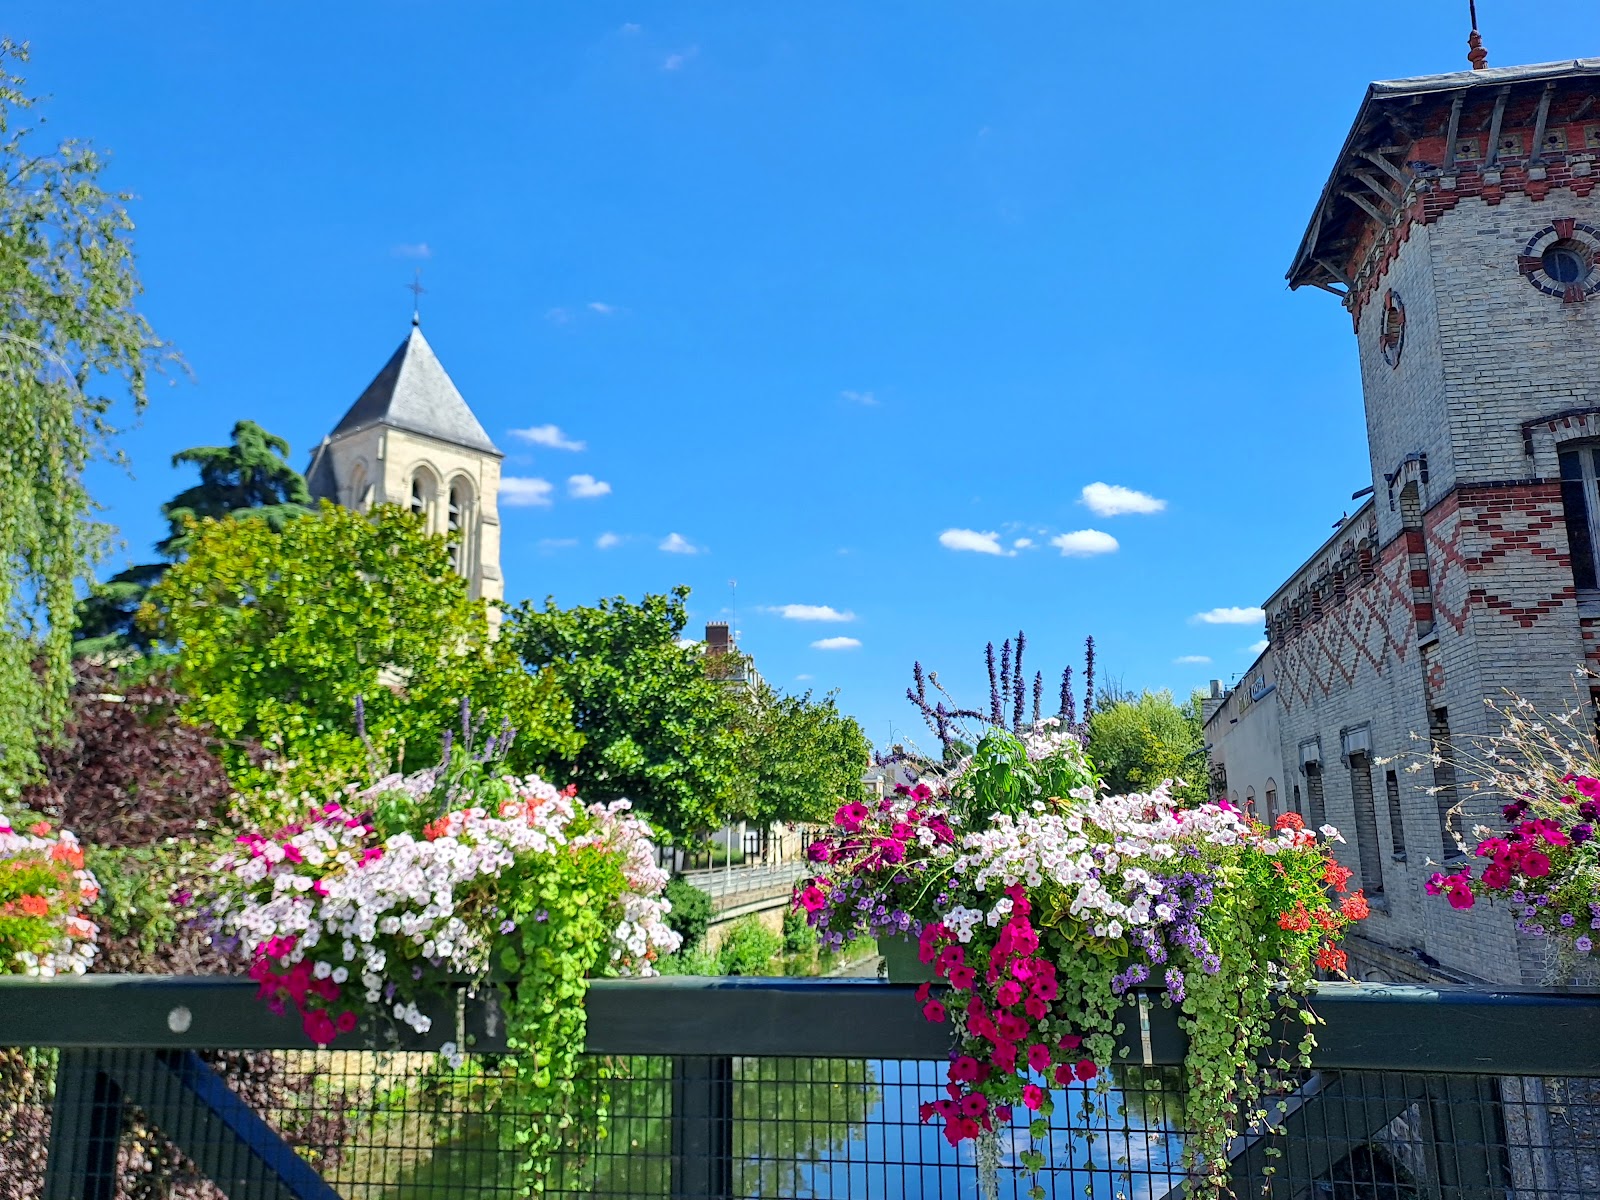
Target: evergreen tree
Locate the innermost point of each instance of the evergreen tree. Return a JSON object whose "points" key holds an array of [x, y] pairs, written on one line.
{"points": [[248, 479]]}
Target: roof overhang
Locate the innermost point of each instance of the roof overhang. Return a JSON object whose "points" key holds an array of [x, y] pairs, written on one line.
{"points": [[1387, 124]]}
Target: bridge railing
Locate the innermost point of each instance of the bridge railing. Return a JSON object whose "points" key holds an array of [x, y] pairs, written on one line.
{"points": [[188, 1088]]}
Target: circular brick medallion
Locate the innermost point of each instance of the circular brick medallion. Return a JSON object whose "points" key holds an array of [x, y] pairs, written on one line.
{"points": [[1563, 259]]}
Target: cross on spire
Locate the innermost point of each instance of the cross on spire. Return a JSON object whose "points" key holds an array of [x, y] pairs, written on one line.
{"points": [[416, 289]]}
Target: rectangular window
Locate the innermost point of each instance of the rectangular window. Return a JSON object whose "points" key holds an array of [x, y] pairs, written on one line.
{"points": [[1367, 850], [1272, 805], [1581, 505], [1444, 783], [1318, 816], [1397, 828], [1296, 800]]}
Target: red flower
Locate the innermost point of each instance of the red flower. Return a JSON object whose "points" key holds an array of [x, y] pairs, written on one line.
{"points": [[1296, 920], [1086, 1070], [40, 829], [1070, 1041], [1336, 876], [1535, 865], [1290, 820], [964, 1069], [1355, 907], [34, 906], [1331, 958]]}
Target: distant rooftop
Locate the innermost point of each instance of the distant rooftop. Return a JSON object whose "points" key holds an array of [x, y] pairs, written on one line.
{"points": [[414, 393]]}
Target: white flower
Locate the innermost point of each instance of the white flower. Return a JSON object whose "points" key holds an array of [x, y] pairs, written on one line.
{"points": [[1332, 834]]}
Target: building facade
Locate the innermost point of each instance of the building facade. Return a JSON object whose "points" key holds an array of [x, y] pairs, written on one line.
{"points": [[1460, 231], [410, 439], [1244, 745]]}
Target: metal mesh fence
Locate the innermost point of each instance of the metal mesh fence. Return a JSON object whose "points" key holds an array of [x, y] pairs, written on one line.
{"points": [[186, 1125]]}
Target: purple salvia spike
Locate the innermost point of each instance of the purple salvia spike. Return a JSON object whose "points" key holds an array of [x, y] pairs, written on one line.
{"points": [[1005, 681], [1019, 686], [449, 740], [466, 720], [361, 718], [1088, 678], [1069, 706], [994, 687], [1038, 694]]}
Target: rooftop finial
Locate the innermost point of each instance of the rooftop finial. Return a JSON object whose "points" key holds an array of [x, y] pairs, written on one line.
{"points": [[416, 289], [1476, 54]]}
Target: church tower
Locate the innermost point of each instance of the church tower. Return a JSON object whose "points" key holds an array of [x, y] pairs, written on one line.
{"points": [[410, 439]]}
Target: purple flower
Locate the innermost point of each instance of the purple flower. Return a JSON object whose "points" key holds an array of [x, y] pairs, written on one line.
{"points": [[508, 926], [1568, 920], [542, 915], [1581, 834], [1583, 945]]}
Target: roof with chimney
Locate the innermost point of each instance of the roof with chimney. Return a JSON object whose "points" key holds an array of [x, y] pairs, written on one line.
{"points": [[414, 393]]}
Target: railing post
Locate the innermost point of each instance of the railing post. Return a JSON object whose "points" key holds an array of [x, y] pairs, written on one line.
{"points": [[702, 1128], [85, 1126]]}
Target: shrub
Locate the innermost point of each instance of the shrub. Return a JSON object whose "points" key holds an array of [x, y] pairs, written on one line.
{"points": [[798, 936], [691, 912], [749, 948]]}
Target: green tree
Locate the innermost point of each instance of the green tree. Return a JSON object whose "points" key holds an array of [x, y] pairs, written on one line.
{"points": [[280, 633], [248, 479], [1135, 742], [803, 756], [657, 729], [72, 345]]}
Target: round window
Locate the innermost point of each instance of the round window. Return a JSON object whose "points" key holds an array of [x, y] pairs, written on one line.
{"points": [[1567, 261]]}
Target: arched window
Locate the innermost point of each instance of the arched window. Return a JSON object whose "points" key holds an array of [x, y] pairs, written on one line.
{"points": [[358, 487], [458, 522], [424, 496]]}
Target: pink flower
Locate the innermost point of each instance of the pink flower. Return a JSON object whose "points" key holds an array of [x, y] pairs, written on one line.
{"points": [[891, 850], [1046, 988], [1086, 1070], [963, 979], [933, 1011], [1008, 994], [974, 1104], [923, 992], [850, 816], [964, 1069], [901, 832], [1462, 898], [950, 958], [1005, 1057], [819, 852], [1070, 1041], [1036, 1008], [1535, 865], [1032, 1096], [1038, 1057], [812, 898]]}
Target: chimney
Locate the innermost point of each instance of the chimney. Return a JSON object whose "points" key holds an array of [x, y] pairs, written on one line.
{"points": [[1216, 688], [719, 638]]}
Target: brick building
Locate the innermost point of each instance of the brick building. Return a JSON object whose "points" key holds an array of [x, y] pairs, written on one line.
{"points": [[1461, 232]]}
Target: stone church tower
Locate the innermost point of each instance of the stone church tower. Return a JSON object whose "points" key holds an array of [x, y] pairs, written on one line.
{"points": [[411, 439]]}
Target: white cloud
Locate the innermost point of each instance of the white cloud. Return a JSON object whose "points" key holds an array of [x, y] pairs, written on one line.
{"points": [[1191, 660], [971, 539], [1257, 647], [804, 678], [631, 27], [1113, 500], [676, 543], [557, 543], [865, 398], [549, 436], [601, 307], [675, 61], [412, 250], [1084, 543], [522, 492], [606, 541], [1022, 543], [810, 612], [837, 643], [586, 487], [1234, 615]]}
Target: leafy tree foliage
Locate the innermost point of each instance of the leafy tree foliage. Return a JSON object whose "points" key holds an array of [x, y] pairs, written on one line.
{"points": [[657, 729], [803, 756], [1136, 742], [248, 479], [281, 633], [71, 345]]}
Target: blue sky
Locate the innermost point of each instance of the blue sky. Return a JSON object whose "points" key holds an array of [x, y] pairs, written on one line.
{"points": [[817, 287]]}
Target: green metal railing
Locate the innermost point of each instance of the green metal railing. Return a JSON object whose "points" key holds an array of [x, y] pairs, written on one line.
{"points": [[177, 1088]]}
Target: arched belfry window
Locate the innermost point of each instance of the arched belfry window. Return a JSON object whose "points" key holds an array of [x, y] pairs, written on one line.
{"points": [[458, 522], [425, 497], [1580, 498]]}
